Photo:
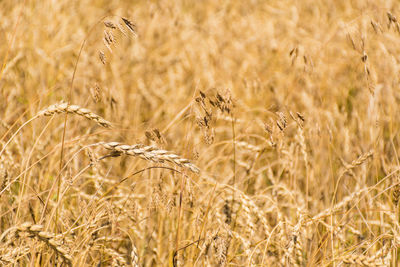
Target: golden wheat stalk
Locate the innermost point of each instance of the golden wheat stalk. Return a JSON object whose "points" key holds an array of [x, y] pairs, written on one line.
{"points": [[61, 108], [74, 109], [49, 238], [134, 256], [362, 260], [150, 153], [352, 197], [117, 258], [10, 255]]}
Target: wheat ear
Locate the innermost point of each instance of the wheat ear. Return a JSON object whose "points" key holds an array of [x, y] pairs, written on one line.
{"points": [[150, 153], [362, 260], [49, 238], [134, 256], [74, 109]]}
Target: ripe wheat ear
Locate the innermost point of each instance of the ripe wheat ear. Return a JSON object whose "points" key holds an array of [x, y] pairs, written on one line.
{"points": [[74, 109], [150, 153]]}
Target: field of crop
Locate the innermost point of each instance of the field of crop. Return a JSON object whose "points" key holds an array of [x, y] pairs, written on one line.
{"points": [[199, 133]]}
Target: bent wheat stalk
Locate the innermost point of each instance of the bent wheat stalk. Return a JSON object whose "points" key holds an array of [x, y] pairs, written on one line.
{"points": [[49, 238], [74, 109], [150, 153], [61, 108]]}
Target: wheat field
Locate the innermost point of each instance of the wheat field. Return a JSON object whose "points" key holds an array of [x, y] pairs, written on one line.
{"points": [[199, 133]]}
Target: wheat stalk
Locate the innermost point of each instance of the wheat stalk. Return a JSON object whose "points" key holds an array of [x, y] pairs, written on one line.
{"points": [[11, 254], [117, 258], [74, 109], [352, 197], [150, 153], [134, 256], [61, 108], [49, 238], [362, 260]]}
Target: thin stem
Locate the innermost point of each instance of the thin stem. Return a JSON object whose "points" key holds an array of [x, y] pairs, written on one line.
{"points": [[16, 132], [176, 253], [66, 113], [234, 159]]}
